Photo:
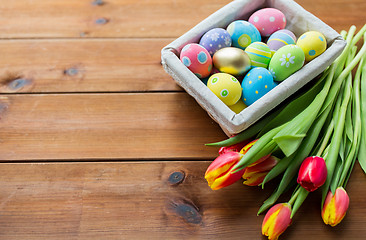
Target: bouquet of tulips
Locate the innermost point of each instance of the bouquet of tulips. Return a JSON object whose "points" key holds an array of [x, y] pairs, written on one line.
{"points": [[313, 141]]}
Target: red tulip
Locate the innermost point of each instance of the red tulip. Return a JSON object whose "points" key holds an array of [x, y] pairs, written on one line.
{"points": [[255, 173], [219, 174], [276, 221], [312, 173], [335, 207], [233, 148]]}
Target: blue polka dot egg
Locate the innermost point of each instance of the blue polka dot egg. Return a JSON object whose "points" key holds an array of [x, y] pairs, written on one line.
{"points": [[215, 39], [256, 84], [313, 44], [243, 33]]}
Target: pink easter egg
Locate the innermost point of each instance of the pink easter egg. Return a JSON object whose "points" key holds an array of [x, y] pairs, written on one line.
{"points": [[268, 20], [197, 59]]}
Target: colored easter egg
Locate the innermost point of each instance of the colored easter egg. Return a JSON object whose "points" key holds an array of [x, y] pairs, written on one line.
{"points": [[231, 60], [268, 20], [286, 61], [259, 54], [243, 33], [256, 84], [313, 44], [197, 59], [280, 38], [215, 39], [226, 87], [238, 107]]}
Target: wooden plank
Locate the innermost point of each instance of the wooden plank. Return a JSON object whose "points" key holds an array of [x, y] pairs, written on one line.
{"points": [[100, 126], [151, 200], [157, 18], [102, 18], [338, 14], [83, 66]]}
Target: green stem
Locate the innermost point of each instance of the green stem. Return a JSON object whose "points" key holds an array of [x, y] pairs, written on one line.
{"points": [[325, 140], [302, 195], [294, 196], [339, 125], [359, 35], [357, 127]]}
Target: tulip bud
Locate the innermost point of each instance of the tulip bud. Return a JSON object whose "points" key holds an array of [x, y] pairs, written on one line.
{"points": [[312, 173], [335, 207], [233, 148], [276, 221], [219, 174], [255, 173]]}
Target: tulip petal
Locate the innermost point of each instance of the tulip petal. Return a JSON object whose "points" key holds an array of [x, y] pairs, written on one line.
{"points": [[335, 207], [276, 220], [219, 175], [233, 148], [312, 173], [254, 179]]}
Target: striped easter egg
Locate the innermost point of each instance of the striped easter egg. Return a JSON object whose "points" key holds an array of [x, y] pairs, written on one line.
{"points": [[259, 54], [279, 39]]}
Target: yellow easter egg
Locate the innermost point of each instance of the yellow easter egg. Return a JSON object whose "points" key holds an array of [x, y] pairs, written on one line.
{"points": [[238, 107], [313, 44], [226, 87]]}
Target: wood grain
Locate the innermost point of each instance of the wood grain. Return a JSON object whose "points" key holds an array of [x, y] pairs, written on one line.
{"points": [[110, 18], [126, 19], [120, 65], [140, 201], [105, 126]]}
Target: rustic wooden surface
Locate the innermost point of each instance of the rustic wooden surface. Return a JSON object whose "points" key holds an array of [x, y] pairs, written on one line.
{"points": [[98, 142]]}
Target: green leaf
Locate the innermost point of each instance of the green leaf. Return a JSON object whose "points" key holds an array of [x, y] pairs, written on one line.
{"points": [[289, 143], [296, 106], [303, 152], [278, 169], [331, 159], [362, 150], [264, 146]]}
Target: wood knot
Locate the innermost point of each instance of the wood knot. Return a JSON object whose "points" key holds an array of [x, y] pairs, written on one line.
{"points": [[187, 211], [18, 83], [176, 178], [71, 71], [4, 105], [98, 2], [101, 21]]}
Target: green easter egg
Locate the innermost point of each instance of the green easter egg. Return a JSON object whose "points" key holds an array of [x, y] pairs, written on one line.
{"points": [[259, 54], [286, 61]]}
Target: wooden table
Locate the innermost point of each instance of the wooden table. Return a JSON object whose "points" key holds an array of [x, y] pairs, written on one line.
{"points": [[98, 142]]}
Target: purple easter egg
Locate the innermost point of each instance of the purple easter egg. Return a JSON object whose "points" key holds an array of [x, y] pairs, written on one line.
{"points": [[215, 39], [279, 39]]}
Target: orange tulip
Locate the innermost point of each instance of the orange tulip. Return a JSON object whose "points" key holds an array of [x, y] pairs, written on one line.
{"points": [[335, 207], [219, 174], [255, 173], [276, 221]]}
